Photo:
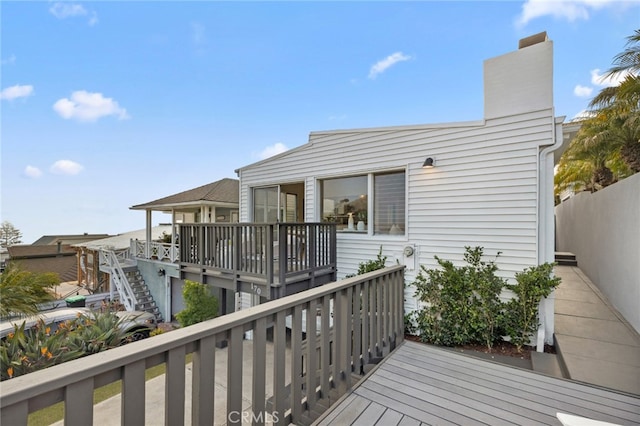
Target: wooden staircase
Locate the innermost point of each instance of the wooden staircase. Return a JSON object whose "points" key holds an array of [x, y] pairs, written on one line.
{"points": [[143, 297]]}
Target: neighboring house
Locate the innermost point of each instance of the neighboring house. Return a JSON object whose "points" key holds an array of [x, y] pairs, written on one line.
{"points": [[216, 202], [88, 254], [52, 240], [59, 259], [430, 190]]}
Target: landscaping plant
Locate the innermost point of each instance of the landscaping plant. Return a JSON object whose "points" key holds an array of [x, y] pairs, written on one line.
{"points": [[521, 313], [200, 304], [25, 351], [461, 304]]}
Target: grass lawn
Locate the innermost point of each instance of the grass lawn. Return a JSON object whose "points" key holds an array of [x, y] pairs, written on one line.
{"points": [[55, 413]]}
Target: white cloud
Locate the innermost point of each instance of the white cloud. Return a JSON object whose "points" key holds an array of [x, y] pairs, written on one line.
{"points": [[602, 80], [382, 65], [32, 172], [10, 60], [272, 150], [337, 117], [582, 91], [571, 10], [17, 91], [65, 167], [86, 106], [63, 10]]}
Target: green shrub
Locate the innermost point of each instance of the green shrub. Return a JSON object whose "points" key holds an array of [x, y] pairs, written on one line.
{"points": [[462, 304], [521, 316], [371, 265], [25, 351], [200, 304]]}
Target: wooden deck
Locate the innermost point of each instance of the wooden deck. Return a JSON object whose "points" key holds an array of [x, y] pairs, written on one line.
{"points": [[421, 384]]}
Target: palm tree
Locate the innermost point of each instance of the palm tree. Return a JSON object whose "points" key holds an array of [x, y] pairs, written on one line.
{"points": [[628, 91], [621, 104], [21, 291]]}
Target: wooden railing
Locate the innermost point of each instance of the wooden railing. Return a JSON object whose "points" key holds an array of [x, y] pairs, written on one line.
{"points": [[310, 367], [275, 253]]}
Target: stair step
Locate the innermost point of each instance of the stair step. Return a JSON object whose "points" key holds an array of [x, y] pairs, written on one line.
{"points": [[566, 259]]}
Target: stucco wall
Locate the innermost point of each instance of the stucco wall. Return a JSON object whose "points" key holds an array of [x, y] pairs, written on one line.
{"points": [[603, 231]]}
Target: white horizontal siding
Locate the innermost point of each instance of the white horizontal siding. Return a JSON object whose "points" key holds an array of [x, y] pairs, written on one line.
{"points": [[482, 192]]}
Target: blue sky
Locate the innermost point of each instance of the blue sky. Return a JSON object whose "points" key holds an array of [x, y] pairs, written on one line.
{"points": [[105, 105]]}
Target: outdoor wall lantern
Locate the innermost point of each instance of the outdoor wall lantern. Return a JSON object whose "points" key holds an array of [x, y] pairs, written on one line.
{"points": [[429, 163], [161, 272]]}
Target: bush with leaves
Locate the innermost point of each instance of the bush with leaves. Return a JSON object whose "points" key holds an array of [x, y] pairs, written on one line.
{"points": [[462, 304], [25, 351], [521, 314], [200, 304], [371, 265], [22, 291]]}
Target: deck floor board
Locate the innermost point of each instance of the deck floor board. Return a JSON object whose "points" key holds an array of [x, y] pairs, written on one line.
{"points": [[422, 384]]}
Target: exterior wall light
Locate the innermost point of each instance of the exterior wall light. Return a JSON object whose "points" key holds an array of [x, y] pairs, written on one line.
{"points": [[429, 163], [161, 272]]}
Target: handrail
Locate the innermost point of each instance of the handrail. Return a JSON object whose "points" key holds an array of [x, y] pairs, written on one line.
{"points": [[119, 279], [368, 310]]}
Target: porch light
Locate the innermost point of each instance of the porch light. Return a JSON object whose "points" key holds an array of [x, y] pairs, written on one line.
{"points": [[161, 272], [429, 163]]}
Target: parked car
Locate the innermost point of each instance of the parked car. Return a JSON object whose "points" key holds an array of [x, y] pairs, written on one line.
{"points": [[137, 324]]}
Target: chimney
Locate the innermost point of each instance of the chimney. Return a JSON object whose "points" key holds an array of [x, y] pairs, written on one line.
{"points": [[59, 247], [520, 81]]}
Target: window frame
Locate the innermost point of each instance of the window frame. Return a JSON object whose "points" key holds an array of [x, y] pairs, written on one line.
{"points": [[370, 175]]}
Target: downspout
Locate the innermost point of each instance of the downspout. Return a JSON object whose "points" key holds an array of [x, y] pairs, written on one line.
{"points": [[546, 229]]}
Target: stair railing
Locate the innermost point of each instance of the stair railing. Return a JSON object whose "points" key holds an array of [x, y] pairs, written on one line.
{"points": [[119, 279]]}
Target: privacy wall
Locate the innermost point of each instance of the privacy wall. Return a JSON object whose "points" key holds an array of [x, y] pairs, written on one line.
{"points": [[603, 231]]}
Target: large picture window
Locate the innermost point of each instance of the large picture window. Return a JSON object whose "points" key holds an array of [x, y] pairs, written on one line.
{"points": [[345, 201]]}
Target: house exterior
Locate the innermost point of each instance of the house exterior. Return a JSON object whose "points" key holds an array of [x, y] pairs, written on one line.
{"points": [[215, 202], [58, 258], [88, 256], [487, 183]]}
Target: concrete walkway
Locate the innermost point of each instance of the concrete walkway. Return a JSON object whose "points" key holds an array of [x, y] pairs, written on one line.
{"points": [[594, 342]]}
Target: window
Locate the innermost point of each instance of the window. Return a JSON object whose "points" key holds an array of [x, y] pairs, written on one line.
{"points": [[389, 203], [346, 202]]}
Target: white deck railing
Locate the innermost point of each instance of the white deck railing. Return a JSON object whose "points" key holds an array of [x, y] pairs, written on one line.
{"points": [[154, 250], [367, 312]]}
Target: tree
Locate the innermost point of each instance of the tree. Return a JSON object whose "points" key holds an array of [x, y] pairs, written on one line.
{"points": [[621, 104], [9, 235], [21, 291], [607, 146]]}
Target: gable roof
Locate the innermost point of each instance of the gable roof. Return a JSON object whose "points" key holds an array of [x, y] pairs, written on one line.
{"points": [[224, 191]]}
